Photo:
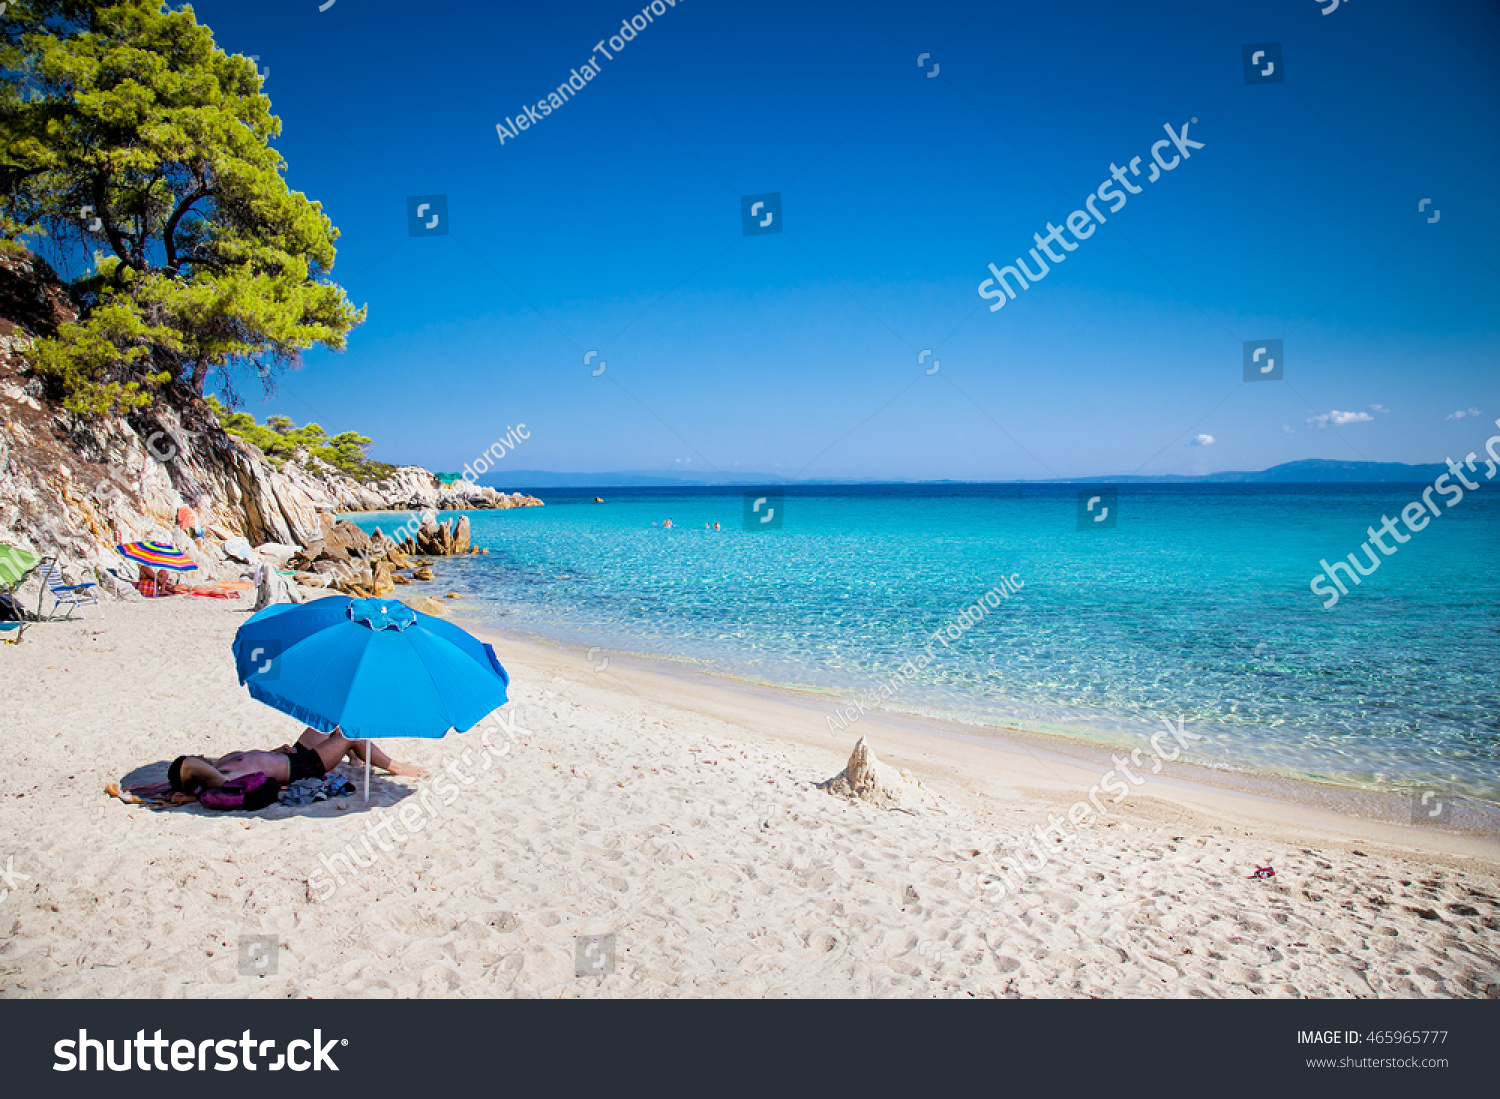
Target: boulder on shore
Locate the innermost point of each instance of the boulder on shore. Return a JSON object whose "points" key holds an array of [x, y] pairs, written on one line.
{"points": [[434, 539], [348, 560], [272, 587], [381, 582], [276, 554]]}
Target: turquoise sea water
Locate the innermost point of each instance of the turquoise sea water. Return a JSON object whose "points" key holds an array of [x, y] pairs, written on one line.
{"points": [[1196, 606]]}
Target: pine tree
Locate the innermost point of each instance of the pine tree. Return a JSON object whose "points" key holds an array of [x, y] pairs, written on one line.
{"points": [[125, 130]]}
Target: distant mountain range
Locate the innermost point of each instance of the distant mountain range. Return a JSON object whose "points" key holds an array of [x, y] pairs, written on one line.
{"points": [[1308, 471], [537, 478]]}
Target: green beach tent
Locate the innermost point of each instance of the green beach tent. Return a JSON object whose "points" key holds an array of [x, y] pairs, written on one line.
{"points": [[15, 563]]}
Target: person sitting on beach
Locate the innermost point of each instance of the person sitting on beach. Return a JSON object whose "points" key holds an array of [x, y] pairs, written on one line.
{"points": [[313, 756], [153, 582]]}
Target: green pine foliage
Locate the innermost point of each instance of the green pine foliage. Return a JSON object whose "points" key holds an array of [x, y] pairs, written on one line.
{"points": [[125, 131], [280, 439]]}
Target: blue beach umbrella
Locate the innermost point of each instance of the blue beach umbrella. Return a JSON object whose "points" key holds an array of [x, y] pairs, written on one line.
{"points": [[372, 667]]}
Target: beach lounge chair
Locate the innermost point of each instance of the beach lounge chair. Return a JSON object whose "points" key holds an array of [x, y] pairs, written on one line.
{"points": [[71, 596]]}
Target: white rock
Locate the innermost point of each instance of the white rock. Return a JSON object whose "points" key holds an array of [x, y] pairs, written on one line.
{"points": [[271, 587], [276, 553]]}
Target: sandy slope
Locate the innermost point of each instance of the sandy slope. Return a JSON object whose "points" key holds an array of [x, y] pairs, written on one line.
{"points": [[680, 816]]}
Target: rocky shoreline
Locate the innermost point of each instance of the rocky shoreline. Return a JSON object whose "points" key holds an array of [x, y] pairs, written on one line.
{"points": [[348, 560], [73, 489]]}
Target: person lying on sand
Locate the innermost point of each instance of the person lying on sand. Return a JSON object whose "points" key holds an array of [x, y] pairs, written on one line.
{"points": [[313, 756]]}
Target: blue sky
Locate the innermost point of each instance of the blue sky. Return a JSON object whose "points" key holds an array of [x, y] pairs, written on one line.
{"points": [[614, 225]]}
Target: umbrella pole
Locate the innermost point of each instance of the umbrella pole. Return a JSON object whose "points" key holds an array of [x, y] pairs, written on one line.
{"points": [[367, 772], [41, 589]]}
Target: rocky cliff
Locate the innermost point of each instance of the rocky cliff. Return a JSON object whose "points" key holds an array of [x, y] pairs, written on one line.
{"points": [[75, 488]]}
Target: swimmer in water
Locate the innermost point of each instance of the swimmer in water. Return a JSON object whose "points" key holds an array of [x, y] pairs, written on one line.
{"points": [[667, 525]]}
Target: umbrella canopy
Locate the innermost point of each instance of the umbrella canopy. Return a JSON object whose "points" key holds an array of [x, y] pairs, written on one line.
{"points": [[371, 667], [161, 555], [15, 563]]}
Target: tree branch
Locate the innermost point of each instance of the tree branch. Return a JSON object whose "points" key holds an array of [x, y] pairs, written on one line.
{"points": [[169, 236], [199, 375], [193, 258], [112, 231]]}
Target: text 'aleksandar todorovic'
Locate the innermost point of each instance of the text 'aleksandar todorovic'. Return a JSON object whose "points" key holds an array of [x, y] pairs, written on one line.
{"points": [[531, 113]]}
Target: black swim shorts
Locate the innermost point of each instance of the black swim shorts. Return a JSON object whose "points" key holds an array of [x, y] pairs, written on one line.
{"points": [[306, 763]]}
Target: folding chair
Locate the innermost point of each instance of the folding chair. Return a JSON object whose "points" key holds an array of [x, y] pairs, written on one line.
{"points": [[71, 596]]}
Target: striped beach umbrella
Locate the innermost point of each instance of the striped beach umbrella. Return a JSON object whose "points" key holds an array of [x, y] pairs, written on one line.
{"points": [[161, 555]]}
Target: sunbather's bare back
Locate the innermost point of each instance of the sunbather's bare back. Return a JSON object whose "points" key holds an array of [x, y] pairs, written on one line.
{"points": [[277, 765], [287, 762]]}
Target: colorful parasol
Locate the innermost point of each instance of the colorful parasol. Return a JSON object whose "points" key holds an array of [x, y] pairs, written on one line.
{"points": [[161, 555]]}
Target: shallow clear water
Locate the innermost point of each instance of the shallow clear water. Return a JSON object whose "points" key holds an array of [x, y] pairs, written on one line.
{"points": [[1196, 606]]}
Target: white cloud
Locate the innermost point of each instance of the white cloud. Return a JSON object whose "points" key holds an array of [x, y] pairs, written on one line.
{"points": [[1461, 413], [1339, 419], [1379, 408], [1288, 429], [1201, 440]]}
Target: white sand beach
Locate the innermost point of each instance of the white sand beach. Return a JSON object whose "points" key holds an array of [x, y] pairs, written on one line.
{"points": [[682, 816]]}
